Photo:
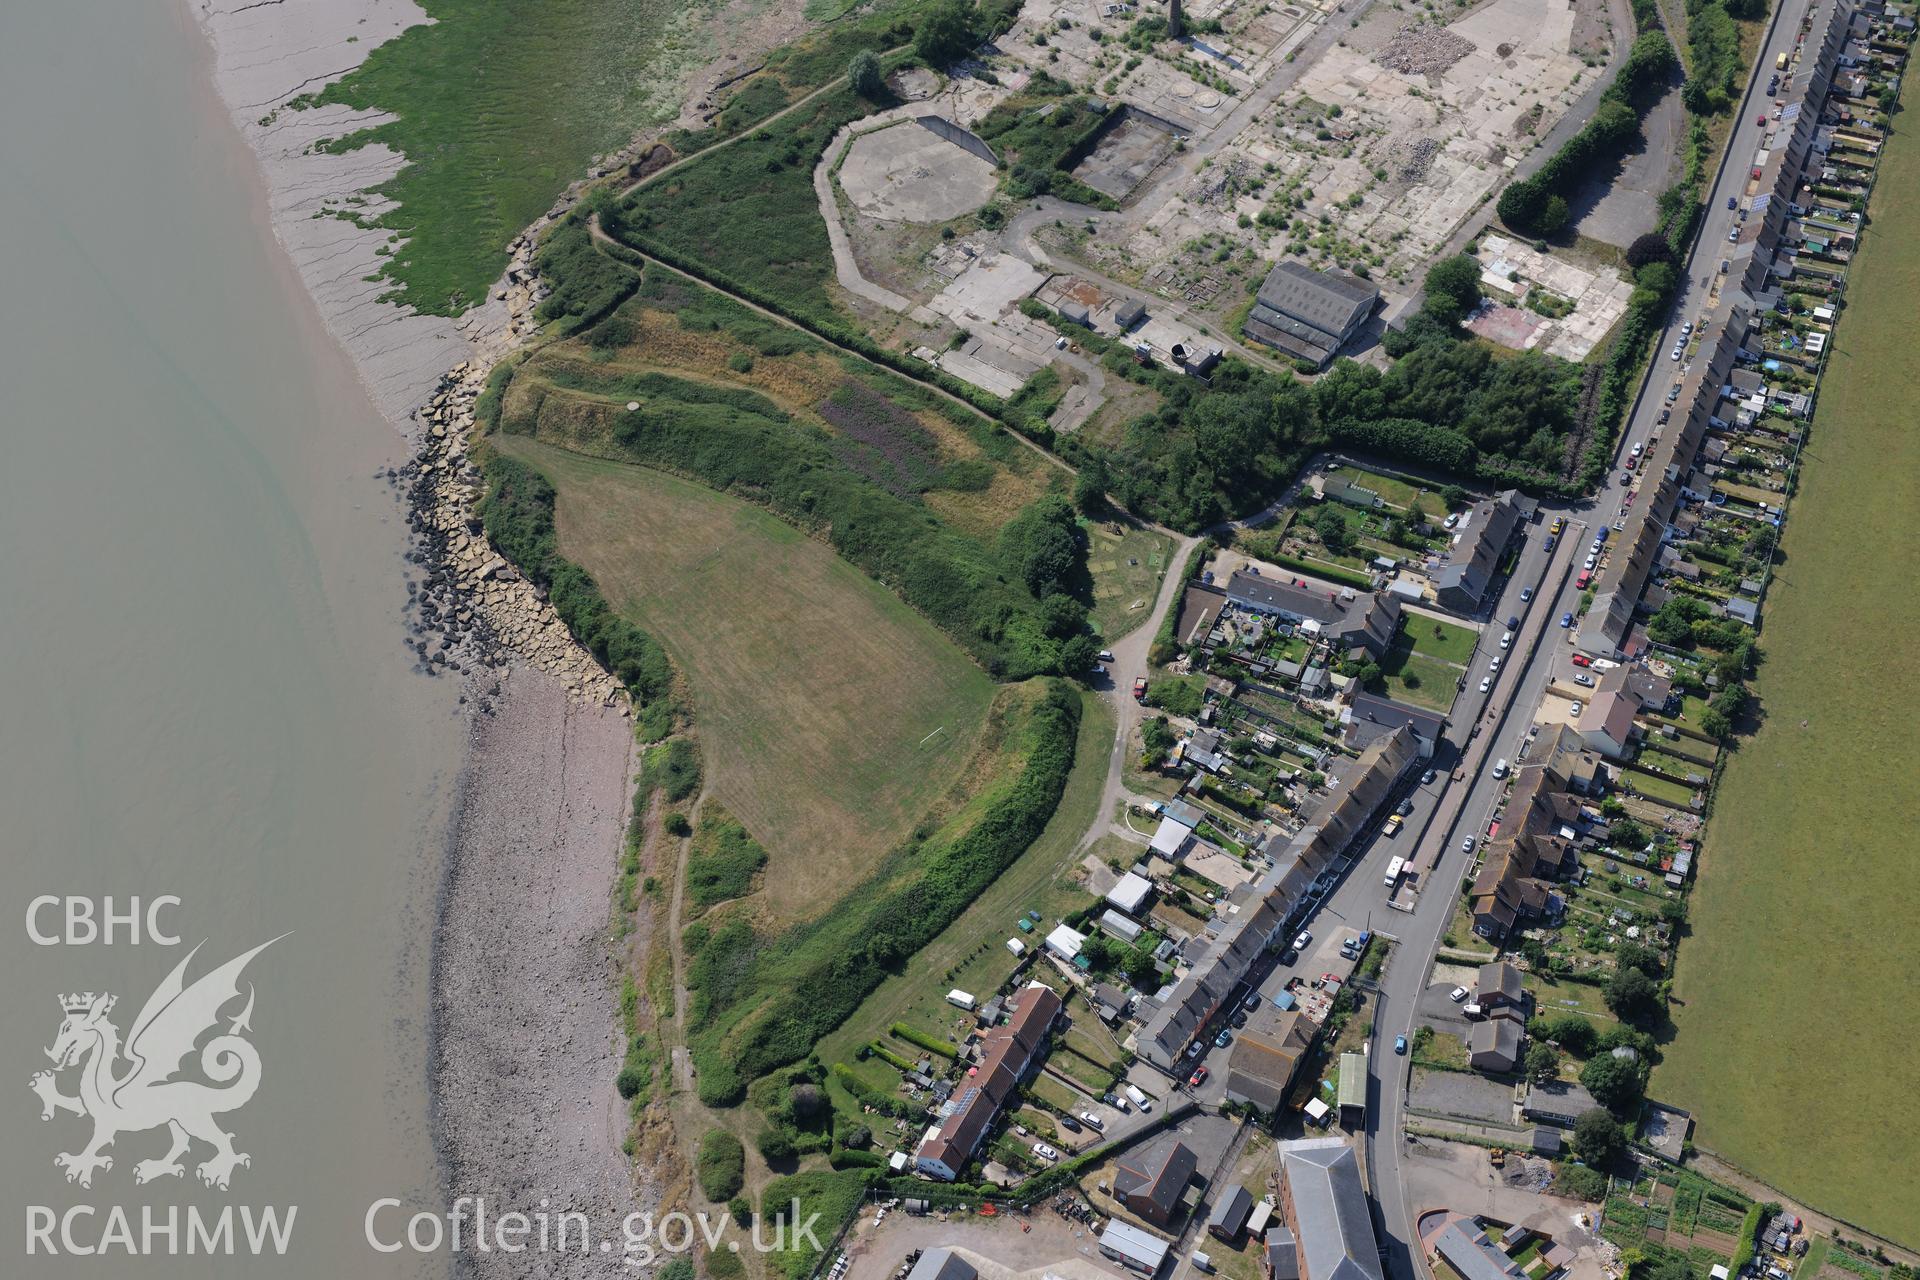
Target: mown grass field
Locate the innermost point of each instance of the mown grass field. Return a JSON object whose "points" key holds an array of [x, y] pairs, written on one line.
{"points": [[497, 109], [1801, 984], [973, 948], [832, 717]]}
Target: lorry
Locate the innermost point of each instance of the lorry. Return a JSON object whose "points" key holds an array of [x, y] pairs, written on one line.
{"points": [[1394, 868]]}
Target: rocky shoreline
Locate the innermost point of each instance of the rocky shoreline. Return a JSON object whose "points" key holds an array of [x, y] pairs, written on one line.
{"points": [[524, 1018]]}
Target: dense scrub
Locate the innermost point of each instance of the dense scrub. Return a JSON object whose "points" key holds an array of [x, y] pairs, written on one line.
{"points": [[855, 490], [518, 515], [722, 863], [721, 1166], [1042, 132], [764, 1002]]}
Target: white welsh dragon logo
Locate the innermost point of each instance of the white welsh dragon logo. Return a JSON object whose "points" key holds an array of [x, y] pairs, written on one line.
{"points": [[146, 1095]]}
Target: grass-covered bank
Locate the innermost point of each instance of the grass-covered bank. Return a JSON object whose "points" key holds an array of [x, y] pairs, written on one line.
{"points": [[1806, 878], [763, 1001], [788, 651]]}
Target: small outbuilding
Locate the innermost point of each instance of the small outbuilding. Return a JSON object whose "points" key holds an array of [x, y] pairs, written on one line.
{"points": [[1230, 1213], [1133, 890], [1066, 942]]}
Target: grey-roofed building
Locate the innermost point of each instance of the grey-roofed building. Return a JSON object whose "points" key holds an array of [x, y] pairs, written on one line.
{"points": [[1150, 1183], [1230, 1213], [1326, 1206], [1372, 717], [942, 1264], [1494, 1045], [1132, 1248], [1264, 910], [1281, 1258], [1480, 539], [1368, 622], [1284, 599], [1557, 1102], [1309, 314], [1465, 1247]]}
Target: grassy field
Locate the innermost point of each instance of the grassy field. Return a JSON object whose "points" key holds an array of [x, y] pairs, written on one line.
{"points": [[1443, 640], [1807, 883], [971, 953], [790, 651], [496, 116], [1414, 678], [1127, 563]]}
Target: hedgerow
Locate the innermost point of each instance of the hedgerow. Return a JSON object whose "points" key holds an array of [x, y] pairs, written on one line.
{"points": [[780, 997]]}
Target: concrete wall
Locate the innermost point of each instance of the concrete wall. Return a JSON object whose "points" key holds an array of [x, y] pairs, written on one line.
{"points": [[962, 138]]}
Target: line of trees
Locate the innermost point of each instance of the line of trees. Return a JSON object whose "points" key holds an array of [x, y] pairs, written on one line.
{"points": [[1538, 205]]}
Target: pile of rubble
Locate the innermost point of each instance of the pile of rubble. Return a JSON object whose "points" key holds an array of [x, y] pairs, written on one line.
{"points": [[1423, 49], [471, 611], [1411, 160], [1220, 183]]}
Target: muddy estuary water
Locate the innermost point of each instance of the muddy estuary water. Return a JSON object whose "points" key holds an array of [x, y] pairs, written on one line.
{"points": [[205, 692]]}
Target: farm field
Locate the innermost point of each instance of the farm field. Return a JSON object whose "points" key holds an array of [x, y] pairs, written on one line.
{"points": [[971, 953], [788, 650], [1806, 876]]}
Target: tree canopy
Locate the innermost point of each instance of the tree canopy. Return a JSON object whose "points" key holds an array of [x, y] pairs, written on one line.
{"points": [[1597, 1138]]}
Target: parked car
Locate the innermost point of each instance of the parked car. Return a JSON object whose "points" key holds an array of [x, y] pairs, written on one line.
{"points": [[1526, 594], [1761, 119], [1513, 624], [1732, 201], [1222, 1040], [1252, 1001], [1428, 777], [1198, 1078], [1493, 663], [1566, 620], [1400, 1045], [1582, 660], [1301, 939], [1197, 1048], [1486, 683], [1506, 640], [1666, 416], [1733, 235], [1092, 1121], [1044, 1152], [1106, 655], [1590, 561], [1584, 680], [1578, 707], [1458, 995], [1069, 1124]]}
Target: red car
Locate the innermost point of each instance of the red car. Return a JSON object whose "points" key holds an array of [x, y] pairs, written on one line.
{"points": [[1198, 1078], [1760, 120], [1582, 660]]}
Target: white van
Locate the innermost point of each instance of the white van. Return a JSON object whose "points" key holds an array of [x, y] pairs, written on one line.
{"points": [[1140, 1099], [1500, 768]]}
